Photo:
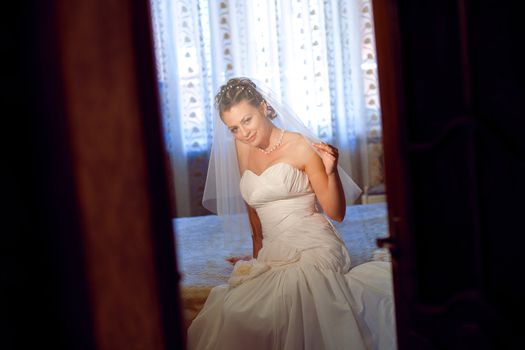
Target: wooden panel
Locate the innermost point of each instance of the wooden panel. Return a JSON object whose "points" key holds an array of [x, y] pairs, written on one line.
{"points": [[392, 113], [106, 107], [451, 102], [95, 264]]}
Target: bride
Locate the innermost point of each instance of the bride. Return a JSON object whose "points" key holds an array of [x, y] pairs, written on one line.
{"points": [[297, 291]]}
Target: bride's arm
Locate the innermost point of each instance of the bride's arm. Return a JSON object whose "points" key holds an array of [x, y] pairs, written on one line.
{"points": [[324, 178], [257, 236]]}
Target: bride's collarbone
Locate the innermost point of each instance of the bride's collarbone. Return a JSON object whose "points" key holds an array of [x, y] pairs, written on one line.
{"points": [[262, 169], [288, 152], [259, 162], [260, 165]]}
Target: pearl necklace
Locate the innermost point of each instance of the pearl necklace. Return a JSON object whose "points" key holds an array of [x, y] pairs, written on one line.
{"points": [[274, 147]]}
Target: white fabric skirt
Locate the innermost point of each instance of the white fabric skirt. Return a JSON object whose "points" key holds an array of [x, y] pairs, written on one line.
{"points": [[299, 306]]}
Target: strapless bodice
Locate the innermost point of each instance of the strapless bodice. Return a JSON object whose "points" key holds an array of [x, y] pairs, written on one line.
{"points": [[285, 203], [281, 195]]}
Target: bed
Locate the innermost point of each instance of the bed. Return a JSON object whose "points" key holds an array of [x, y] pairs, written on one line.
{"points": [[202, 251]]}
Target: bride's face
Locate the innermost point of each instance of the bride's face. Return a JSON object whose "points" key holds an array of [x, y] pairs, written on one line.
{"points": [[248, 123]]}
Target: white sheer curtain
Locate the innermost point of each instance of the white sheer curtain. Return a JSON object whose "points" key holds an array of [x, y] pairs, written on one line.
{"points": [[319, 55]]}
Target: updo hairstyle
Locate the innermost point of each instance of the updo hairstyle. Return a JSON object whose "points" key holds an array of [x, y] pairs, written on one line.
{"points": [[237, 90]]}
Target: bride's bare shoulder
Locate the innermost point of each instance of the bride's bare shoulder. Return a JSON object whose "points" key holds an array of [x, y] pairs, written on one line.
{"points": [[300, 145], [296, 138]]}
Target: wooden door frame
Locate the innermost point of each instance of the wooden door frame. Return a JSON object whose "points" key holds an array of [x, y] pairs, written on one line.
{"points": [[98, 63], [390, 72]]}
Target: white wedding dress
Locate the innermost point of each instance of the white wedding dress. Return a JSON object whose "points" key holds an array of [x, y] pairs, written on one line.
{"points": [[299, 292]]}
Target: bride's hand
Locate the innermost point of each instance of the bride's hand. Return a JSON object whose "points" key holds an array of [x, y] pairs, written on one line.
{"points": [[329, 154]]}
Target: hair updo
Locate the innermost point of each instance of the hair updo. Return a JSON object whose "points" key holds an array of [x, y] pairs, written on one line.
{"points": [[237, 90]]}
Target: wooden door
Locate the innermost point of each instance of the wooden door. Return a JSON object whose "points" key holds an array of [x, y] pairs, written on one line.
{"points": [[89, 253], [451, 83]]}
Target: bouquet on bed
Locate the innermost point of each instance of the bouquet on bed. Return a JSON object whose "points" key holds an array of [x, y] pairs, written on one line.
{"points": [[245, 270]]}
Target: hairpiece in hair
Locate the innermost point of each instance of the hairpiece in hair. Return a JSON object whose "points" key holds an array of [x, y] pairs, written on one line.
{"points": [[238, 85]]}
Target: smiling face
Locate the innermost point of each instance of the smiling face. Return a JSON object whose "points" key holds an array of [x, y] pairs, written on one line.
{"points": [[248, 123]]}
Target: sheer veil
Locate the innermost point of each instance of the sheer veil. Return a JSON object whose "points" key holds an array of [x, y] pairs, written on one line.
{"points": [[222, 192]]}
